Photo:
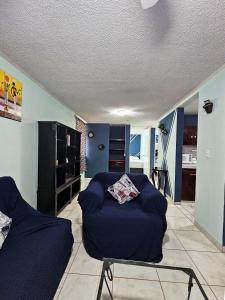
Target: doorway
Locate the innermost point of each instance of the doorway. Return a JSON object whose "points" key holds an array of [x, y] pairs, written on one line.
{"points": [[139, 150], [189, 156]]}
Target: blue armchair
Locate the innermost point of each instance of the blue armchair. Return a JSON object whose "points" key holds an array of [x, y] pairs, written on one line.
{"points": [[133, 231]]}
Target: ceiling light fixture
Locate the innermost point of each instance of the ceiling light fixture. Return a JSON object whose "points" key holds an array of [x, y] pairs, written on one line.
{"points": [[122, 112], [148, 3]]}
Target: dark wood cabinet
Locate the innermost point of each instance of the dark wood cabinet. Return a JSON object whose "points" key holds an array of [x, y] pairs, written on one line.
{"points": [[190, 135], [58, 166], [188, 184]]}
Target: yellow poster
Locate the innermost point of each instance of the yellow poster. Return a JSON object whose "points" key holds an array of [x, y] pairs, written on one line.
{"points": [[2, 74], [10, 96]]}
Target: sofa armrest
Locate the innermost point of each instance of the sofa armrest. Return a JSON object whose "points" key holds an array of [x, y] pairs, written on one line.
{"points": [[152, 200], [92, 198]]}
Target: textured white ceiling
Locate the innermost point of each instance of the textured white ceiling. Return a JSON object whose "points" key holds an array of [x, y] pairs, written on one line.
{"points": [[105, 54]]}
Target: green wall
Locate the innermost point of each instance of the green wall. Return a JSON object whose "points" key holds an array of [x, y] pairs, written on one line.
{"points": [[19, 141], [210, 179], [210, 156]]}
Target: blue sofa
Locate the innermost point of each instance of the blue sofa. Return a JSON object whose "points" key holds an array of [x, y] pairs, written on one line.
{"points": [[36, 251], [132, 231]]}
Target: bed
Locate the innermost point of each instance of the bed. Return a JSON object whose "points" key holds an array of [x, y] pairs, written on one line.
{"points": [[136, 164]]}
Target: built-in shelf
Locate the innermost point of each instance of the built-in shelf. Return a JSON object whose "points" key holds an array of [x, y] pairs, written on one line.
{"points": [[58, 166], [117, 148], [117, 140]]}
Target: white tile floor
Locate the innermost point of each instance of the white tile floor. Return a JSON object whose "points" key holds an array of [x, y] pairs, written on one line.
{"points": [[184, 245]]}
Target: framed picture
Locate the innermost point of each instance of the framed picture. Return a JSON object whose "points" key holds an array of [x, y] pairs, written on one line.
{"points": [[10, 97]]}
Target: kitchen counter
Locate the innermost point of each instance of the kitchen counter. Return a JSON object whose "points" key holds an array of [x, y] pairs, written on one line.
{"points": [[189, 166]]}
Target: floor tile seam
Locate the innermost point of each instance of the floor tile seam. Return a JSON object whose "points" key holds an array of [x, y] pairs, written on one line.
{"points": [[197, 267], [181, 211], [197, 230], [210, 251], [84, 274], [62, 285], [135, 278], [213, 292], [199, 251], [178, 241], [160, 283], [162, 290], [75, 255], [194, 263]]}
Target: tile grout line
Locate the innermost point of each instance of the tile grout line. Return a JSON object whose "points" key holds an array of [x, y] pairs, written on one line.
{"points": [[178, 241], [207, 284], [199, 251], [213, 292], [197, 267], [62, 285], [194, 262], [160, 284], [74, 258]]}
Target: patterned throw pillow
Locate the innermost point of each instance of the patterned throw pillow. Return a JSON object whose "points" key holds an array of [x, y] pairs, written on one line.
{"points": [[5, 223], [123, 190]]}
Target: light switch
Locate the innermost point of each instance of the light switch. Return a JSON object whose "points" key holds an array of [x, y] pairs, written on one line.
{"points": [[208, 153]]}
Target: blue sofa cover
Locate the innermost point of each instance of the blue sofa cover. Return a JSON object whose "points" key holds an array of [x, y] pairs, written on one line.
{"points": [[132, 231], [36, 251]]}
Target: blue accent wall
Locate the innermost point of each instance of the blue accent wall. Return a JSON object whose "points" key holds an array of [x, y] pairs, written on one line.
{"points": [[179, 149], [127, 152], [190, 120], [135, 145], [152, 148], [97, 160]]}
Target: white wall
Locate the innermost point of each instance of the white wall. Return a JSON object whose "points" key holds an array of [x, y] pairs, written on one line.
{"points": [[19, 141], [211, 170]]}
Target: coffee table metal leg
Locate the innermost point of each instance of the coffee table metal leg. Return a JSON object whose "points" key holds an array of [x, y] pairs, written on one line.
{"points": [[190, 285], [106, 270], [200, 287]]}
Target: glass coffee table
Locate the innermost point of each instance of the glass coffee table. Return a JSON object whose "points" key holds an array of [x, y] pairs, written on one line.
{"points": [[107, 275]]}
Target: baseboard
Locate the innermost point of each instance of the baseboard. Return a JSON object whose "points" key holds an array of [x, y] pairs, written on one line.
{"points": [[212, 239]]}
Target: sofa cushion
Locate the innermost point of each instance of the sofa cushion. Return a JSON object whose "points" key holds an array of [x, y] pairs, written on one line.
{"points": [[123, 190], [108, 179], [5, 223], [123, 232], [34, 257]]}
